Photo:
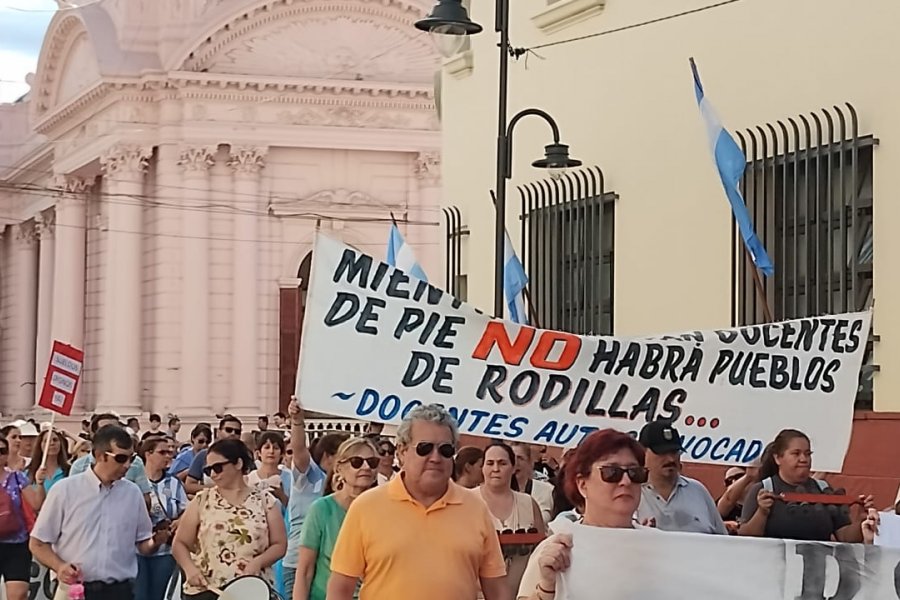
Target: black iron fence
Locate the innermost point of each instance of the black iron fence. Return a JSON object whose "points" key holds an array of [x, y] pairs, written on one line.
{"points": [[808, 188], [455, 281], [568, 240]]}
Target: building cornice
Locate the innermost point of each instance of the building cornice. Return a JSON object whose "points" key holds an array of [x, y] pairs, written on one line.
{"points": [[217, 87]]}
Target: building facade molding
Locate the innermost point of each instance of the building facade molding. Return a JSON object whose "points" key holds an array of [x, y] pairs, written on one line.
{"points": [[428, 167], [197, 159], [247, 160], [126, 159]]}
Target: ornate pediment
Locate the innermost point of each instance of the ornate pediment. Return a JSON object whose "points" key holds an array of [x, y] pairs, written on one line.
{"points": [[329, 47]]}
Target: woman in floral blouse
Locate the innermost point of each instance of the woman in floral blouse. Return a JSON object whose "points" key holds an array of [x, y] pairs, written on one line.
{"points": [[230, 529]]}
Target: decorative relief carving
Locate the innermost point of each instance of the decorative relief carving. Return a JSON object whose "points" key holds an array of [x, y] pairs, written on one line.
{"points": [[125, 158], [331, 46], [73, 187], [45, 224], [247, 160], [197, 158], [25, 234], [339, 200], [428, 167], [346, 116]]}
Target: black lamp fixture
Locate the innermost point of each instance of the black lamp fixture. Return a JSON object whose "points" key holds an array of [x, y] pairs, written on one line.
{"points": [[556, 160], [448, 25]]}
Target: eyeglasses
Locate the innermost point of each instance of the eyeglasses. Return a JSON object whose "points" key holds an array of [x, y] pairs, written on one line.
{"points": [[426, 448], [202, 441], [232, 430], [121, 458], [385, 452], [215, 468], [357, 461], [614, 473]]}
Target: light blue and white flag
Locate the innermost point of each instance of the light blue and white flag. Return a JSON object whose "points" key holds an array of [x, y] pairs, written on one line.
{"points": [[514, 282], [730, 162], [400, 255]]}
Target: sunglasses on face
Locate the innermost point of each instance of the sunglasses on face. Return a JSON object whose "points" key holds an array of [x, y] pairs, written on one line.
{"points": [[385, 452], [426, 448], [289, 452], [232, 430], [201, 441], [731, 480], [215, 468], [614, 473], [121, 458], [357, 462]]}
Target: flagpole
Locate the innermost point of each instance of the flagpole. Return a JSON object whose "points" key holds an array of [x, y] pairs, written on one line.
{"points": [[758, 284]]}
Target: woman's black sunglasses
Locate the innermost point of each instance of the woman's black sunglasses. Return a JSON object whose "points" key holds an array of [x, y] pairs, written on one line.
{"points": [[614, 473], [357, 461], [426, 448], [216, 468]]}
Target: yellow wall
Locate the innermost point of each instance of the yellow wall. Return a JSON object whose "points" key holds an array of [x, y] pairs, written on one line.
{"points": [[625, 102]]}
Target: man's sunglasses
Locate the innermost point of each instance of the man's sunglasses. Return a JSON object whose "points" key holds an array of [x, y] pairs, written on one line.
{"points": [[215, 468], [385, 452], [232, 430], [614, 473], [731, 480], [357, 461], [202, 441], [426, 448], [121, 458]]}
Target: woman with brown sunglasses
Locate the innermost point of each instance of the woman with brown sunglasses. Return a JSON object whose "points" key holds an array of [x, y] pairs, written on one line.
{"points": [[603, 480], [354, 472]]}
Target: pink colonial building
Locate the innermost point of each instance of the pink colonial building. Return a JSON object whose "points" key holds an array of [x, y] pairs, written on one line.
{"points": [[162, 182]]}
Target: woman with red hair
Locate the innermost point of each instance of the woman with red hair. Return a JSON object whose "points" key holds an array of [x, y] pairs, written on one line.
{"points": [[603, 480]]}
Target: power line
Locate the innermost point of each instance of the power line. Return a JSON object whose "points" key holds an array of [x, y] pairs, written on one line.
{"points": [[628, 27]]}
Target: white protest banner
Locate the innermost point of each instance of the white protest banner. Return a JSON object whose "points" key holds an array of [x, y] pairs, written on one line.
{"points": [[648, 564], [377, 343]]}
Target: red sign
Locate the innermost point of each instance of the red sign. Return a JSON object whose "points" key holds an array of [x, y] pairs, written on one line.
{"points": [[62, 377]]}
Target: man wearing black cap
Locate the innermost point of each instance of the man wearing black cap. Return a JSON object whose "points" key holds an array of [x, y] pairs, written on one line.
{"points": [[674, 502]]}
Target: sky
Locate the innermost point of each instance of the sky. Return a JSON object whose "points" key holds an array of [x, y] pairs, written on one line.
{"points": [[22, 27]]}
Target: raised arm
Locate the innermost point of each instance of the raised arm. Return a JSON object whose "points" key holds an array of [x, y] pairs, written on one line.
{"points": [[302, 457]]}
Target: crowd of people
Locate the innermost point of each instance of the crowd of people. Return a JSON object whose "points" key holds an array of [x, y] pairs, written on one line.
{"points": [[119, 514]]}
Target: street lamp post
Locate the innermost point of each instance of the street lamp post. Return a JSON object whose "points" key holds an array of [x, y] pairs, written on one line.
{"points": [[449, 22]]}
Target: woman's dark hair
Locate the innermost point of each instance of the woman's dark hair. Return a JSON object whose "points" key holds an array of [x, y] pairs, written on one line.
{"points": [[37, 455], [233, 450], [591, 449], [149, 445], [327, 444], [465, 456], [202, 429], [768, 467], [514, 483], [3, 440], [5, 432], [271, 437], [560, 502]]}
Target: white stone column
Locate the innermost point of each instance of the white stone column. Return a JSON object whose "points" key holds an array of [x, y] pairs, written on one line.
{"points": [[70, 267], [44, 226], [25, 241], [195, 163], [427, 238], [124, 165], [247, 163]]}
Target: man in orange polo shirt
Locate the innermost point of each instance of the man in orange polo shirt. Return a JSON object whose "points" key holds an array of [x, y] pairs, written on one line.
{"points": [[421, 535]]}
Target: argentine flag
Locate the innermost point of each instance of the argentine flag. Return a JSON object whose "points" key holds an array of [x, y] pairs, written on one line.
{"points": [[514, 282], [400, 255], [730, 162]]}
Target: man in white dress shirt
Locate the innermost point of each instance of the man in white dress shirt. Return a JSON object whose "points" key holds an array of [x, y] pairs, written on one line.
{"points": [[90, 524]]}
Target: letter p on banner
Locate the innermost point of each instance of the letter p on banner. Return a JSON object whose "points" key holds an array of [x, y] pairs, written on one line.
{"points": [[61, 380]]}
